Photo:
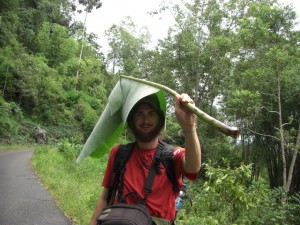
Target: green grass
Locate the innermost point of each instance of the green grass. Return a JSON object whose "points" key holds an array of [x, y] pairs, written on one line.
{"points": [[13, 147], [74, 187]]}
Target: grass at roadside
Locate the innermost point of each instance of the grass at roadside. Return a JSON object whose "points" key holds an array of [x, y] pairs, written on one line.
{"points": [[14, 147], [74, 187]]}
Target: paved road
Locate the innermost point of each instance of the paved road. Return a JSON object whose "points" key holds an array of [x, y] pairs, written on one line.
{"points": [[23, 200]]}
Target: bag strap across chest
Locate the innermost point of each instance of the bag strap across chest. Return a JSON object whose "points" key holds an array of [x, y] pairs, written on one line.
{"points": [[164, 154]]}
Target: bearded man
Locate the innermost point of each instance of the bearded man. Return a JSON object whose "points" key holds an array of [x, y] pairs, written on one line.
{"points": [[146, 120]]}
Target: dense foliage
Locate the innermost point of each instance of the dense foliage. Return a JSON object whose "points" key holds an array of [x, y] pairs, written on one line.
{"points": [[238, 59], [40, 46], [225, 196]]}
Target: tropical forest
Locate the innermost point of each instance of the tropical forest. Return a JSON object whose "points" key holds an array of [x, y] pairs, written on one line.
{"points": [[239, 60]]}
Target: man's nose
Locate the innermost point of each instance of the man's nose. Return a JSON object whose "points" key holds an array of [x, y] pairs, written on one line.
{"points": [[146, 118]]}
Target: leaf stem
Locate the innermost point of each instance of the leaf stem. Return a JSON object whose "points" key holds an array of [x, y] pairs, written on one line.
{"points": [[225, 129]]}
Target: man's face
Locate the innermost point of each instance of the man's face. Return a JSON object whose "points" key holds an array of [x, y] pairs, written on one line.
{"points": [[145, 120]]}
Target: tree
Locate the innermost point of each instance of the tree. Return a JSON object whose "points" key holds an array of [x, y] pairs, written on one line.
{"points": [[127, 48], [39, 50], [266, 64], [89, 6], [55, 44]]}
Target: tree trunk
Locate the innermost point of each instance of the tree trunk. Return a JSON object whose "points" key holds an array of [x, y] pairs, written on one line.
{"points": [[81, 49], [295, 153], [5, 82], [281, 133]]}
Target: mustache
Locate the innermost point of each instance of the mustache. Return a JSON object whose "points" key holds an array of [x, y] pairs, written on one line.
{"points": [[146, 124]]}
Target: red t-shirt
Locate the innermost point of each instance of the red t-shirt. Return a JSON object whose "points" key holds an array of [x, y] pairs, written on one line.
{"points": [[161, 201]]}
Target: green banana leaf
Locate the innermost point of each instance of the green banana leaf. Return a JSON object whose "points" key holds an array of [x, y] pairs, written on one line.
{"points": [[112, 121]]}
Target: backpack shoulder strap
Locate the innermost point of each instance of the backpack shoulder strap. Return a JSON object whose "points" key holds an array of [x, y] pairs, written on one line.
{"points": [[168, 163], [164, 153], [122, 155]]}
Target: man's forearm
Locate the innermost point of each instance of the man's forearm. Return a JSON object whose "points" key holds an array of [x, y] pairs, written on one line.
{"points": [[100, 205], [192, 159]]}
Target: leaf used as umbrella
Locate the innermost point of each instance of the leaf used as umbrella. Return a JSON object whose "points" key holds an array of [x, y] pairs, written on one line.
{"points": [[232, 131], [111, 123], [127, 92]]}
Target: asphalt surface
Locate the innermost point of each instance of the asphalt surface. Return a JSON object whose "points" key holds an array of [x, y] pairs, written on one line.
{"points": [[23, 199]]}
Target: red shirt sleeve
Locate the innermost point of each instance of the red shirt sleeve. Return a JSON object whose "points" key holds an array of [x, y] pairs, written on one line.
{"points": [[179, 153]]}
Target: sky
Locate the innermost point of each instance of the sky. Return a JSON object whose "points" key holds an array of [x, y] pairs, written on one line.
{"points": [[114, 11]]}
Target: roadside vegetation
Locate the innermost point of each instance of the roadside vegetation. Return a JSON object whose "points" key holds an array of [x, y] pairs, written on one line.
{"points": [[221, 196], [75, 187], [14, 147], [238, 59]]}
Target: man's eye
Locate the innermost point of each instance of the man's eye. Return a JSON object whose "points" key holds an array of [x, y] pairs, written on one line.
{"points": [[137, 114], [152, 113]]}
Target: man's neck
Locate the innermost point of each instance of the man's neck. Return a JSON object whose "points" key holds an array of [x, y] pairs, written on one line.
{"points": [[148, 145]]}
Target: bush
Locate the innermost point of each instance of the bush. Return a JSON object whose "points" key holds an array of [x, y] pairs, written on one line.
{"points": [[11, 115], [230, 196], [86, 116], [70, 148]]}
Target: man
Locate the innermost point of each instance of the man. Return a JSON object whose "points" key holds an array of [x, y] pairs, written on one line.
{"points": [[146, 120]]}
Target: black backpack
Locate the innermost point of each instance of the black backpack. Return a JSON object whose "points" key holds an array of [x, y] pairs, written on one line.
{"points": [[164, 155]]}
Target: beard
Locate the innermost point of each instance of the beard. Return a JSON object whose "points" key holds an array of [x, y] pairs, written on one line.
{"points": [[146, 137]]}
